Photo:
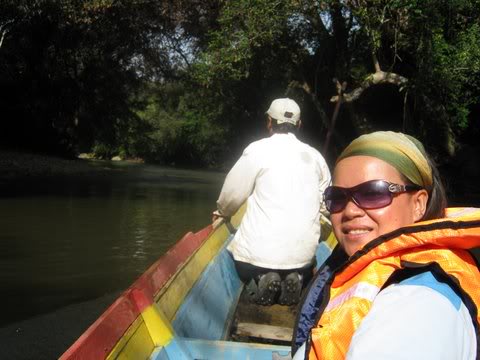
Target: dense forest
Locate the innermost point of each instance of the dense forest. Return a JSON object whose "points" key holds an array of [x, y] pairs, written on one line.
{"points": [[188, 81]]}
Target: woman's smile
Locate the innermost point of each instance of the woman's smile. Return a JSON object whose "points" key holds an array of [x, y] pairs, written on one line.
{"points": [[354, 226]]}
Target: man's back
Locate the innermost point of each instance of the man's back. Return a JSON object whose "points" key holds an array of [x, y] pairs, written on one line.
{"points": [[283, 179]]}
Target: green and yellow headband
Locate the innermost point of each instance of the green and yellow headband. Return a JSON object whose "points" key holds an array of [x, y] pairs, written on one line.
{"points": [[403, 152]]}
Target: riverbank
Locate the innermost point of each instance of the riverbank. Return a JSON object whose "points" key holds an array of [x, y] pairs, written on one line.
{"points": [[20, 165], [16, 164]]}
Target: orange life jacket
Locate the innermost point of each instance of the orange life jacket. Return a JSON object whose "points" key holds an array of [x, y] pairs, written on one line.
{"points": [[437, 245]]}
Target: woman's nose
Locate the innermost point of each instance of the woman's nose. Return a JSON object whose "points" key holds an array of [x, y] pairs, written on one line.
{"points": [[352, 209]]}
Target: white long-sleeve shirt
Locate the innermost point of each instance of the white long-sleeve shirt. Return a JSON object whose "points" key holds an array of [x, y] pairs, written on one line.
{"points": [[282, 179]]}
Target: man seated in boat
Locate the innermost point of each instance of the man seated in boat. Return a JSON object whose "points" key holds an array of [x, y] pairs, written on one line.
{"points": [[282, 180]]}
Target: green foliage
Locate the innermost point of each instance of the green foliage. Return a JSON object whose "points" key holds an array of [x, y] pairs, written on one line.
{"points": [[189, 81], [244, 27], [435, 44], [443, 39], [455, 72], [72, 66], [102, 151], [182, 126]]}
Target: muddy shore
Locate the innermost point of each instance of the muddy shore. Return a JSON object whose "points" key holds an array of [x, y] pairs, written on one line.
{"points": [[16, 164]]}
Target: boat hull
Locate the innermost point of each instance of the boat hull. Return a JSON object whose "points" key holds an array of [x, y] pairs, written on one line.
{"points": [[182, 307]]}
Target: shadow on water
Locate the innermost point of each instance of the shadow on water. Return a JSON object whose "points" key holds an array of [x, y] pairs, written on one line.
{"points": [[73, 238]]}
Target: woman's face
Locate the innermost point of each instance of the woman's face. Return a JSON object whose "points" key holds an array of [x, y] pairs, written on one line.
{"points": [[353, 226]]}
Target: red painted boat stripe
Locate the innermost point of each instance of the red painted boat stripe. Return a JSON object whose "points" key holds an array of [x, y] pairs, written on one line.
{"points": [[162, 270], [100, 338]]}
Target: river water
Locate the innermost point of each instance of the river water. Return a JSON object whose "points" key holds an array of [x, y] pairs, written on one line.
{"points": [[69, 239]]}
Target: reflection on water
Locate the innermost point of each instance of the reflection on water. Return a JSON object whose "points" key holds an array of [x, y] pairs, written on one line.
{"points": [[70, 239]]}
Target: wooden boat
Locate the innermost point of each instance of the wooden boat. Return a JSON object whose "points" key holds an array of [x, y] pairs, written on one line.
{"points": [[188, 305]]}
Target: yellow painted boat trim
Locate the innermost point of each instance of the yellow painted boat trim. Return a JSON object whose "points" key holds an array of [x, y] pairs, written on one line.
{"points": [[173, 294], [331, 241], [135, 343], [160, 329], [153, 328]]}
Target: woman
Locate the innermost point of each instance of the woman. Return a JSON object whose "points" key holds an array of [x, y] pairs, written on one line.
{"points": [[409, 287]]}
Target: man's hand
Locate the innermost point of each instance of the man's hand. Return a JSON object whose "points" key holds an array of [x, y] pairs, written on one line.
{"points": [[216, 215]]}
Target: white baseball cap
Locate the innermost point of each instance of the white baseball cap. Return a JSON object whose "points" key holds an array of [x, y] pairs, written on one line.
{"points": [[284, 111]]}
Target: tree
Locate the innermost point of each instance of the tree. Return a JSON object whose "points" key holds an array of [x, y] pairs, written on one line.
{"points": [[72, 67], [83, 74], [426, 50]]}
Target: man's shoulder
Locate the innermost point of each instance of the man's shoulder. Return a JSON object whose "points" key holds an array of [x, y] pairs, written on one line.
{"points": [[312, 150], [271, 143], [265, 144], [256, 145]]}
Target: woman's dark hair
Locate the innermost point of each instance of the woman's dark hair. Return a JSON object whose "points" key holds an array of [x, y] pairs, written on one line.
{"points": [[437, 200], [283, 128], [437, 196]]}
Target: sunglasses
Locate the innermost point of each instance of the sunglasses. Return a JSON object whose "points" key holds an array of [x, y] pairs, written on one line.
{"points": [[372, 194]]}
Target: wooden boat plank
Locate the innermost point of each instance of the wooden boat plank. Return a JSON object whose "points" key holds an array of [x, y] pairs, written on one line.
{"points": [[217, 349], [276, 315], [266, 319], [263, 331]]}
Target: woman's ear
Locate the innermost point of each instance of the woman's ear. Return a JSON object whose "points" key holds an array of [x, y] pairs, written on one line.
{"points": [[420, 200]]}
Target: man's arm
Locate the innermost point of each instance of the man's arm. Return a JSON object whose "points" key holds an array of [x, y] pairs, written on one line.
{"points": [[238, 184], [325, 181]]}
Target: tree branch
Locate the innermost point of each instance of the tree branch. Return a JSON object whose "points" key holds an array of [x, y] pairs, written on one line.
{"points": [[379, 77], [2, 37], [308, 90], [376, 64], [340, 89], [4, 31], [318, 106]]}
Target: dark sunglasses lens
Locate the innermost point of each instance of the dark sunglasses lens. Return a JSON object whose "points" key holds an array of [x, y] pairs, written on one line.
{"points": [[373, 195], [335, 199]]}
